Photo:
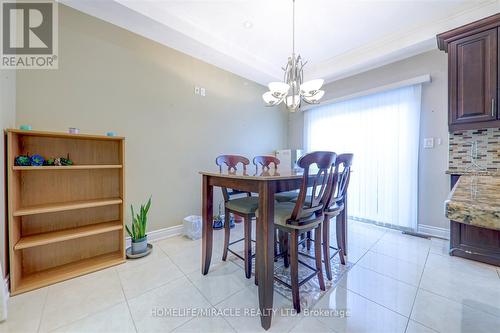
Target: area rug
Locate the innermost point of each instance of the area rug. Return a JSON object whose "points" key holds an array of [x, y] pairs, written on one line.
{"points": [[310, 292]]}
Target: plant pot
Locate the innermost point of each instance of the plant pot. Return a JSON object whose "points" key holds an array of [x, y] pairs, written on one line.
{"points": [[237, 218], [140, 245], [218, 224]]}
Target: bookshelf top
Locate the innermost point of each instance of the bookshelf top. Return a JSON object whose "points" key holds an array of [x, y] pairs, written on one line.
{"points": [[64, 135]]}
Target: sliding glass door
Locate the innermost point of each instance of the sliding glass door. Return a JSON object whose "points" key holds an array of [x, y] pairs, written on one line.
{"points": [[382, 130]]}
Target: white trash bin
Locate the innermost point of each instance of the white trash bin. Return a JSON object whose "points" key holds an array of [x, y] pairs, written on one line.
{"points": [[192, 227]]}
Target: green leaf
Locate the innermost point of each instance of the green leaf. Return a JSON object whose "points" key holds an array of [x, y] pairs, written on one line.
{"points": [[139, 221], [129, 232], [148, 205]]}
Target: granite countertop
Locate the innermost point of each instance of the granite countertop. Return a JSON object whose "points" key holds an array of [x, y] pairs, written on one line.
{"points": [[473, 172], [475, 200]]}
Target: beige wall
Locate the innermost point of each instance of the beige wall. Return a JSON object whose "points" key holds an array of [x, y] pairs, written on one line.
{"points": [[7, 119], [433, 183], [112, 79]]}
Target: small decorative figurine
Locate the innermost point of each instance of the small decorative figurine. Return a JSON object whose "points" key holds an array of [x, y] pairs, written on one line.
{"points": [[36, 160], [22, 160], [66, 160], [74, 130], [25, 127], [63, 161], [49, 162]]}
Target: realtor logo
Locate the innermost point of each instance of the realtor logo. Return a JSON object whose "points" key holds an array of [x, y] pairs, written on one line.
{"points": [[29, 34]]}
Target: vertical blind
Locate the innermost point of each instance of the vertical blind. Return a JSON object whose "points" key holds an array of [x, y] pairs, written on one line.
{"points": [[382, 131]]}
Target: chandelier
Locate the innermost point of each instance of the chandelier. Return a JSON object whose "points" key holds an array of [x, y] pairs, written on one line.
{"points": [[293, 90]]}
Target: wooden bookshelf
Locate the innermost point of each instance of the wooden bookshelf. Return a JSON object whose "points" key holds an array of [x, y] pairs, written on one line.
{"points": [[67, 234], [68, 271], [73, 167], [59, 207], [64, 221]]}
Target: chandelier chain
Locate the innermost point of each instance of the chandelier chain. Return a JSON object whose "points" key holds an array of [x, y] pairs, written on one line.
{"points": [[293, 28], [293, 89]]}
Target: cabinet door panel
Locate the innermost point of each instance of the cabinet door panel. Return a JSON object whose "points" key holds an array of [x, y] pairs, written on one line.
{"points": [[473, 78]]}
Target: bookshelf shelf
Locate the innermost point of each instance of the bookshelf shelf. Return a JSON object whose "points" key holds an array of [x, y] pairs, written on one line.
{"points": [[64, 224]]}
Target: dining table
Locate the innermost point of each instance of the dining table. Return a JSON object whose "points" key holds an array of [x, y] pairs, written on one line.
{"points": [[266, 184]]}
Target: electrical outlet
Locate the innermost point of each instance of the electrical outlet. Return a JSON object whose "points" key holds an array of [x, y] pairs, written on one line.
{"points": [[428, 142], [202, 91], [196, 90]]}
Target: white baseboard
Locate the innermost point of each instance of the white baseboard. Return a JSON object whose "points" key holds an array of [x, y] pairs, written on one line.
{"points": [[152, 236], [434, 231], [158, 234], [6, 295]]}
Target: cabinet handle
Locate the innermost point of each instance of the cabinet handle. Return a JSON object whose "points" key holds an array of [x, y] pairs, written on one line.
{"points": [[493, 107]]}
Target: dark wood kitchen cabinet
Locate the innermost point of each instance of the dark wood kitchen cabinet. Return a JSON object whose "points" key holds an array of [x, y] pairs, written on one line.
{"points": [[473, 74]]}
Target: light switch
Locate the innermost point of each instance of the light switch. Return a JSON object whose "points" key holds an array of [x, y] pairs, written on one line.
{"points": [[196, 90], [202, 91], [428, 143]]}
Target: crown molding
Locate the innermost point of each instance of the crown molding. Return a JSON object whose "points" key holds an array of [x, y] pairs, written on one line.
{"points": [[187, 38], [398, 46]]}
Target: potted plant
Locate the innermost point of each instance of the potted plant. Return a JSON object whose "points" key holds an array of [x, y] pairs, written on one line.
{"points": [[218, 222], [137, 230]]}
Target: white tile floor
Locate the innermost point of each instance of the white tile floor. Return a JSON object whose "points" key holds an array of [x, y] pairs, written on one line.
{"points": [[397, 284]]}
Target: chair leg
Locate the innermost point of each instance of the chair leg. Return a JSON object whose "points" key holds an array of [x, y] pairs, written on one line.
{"points": [[276, 245], [227, 234], [317, 255], [308, 240], [340, 238], [247, 225], [286, 259], [344, 226], [281, 249], [326, 247], [256, 280], [294, 270]]}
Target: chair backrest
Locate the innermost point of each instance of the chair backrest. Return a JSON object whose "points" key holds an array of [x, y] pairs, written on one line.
{"points": [[231, 161], [265, 162], [310, 209], [342, 175]]}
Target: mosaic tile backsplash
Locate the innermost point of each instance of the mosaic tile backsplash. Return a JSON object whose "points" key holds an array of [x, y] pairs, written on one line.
{"points": [[487, 152]]}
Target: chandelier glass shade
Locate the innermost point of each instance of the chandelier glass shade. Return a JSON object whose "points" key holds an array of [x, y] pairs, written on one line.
{"points": [[293, 90]]}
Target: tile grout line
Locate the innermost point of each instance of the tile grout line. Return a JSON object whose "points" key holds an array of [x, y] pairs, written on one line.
{"points": [[43, 309], [370, 300], [89, 314], [418, 288], [190, 281], [126, 298], [212, 305], [391, 277], [92, 313], [126, 301], [184, 275], [458, 302]]}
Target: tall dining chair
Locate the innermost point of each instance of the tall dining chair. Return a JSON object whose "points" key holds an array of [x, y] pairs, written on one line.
{"points": [[307, 214], [336, 208], [239, 203], [265, 163]]}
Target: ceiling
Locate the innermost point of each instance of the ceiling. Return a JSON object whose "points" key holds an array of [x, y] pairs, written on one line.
{"points": [[252, 38]]}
